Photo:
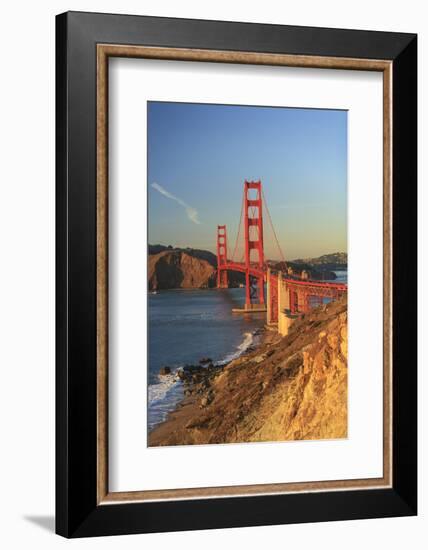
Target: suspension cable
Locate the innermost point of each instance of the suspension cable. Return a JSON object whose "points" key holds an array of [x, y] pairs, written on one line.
{"points": [[239, 229], [273, 229]]}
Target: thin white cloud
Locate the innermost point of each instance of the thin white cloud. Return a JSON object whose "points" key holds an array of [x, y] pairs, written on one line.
{"points": [[191, 212]]}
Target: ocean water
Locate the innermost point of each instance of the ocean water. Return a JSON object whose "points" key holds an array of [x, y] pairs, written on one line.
{"points": [[342, 276], [186, 326]]}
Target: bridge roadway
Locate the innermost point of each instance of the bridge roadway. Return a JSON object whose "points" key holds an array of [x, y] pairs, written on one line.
{"points": [[313, 287]]}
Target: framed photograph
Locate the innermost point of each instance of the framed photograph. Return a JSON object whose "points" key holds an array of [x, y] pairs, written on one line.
{"points": [[236, 274]]}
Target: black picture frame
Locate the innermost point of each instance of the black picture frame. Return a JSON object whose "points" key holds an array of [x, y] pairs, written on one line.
{"points": [[77, 512]]}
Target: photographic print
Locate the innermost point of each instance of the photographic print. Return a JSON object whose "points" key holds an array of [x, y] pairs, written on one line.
{"points": [[247, 274]]}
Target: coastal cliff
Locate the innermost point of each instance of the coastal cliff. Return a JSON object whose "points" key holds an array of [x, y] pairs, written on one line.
{"points": [[177, 269], [289, 388], [185, 268]]}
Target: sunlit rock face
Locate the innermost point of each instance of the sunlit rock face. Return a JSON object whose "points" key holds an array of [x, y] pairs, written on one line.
{"points": [[177, 269]]}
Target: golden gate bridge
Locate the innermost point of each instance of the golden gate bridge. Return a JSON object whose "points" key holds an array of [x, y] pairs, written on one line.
{"points": [[286, 294]]}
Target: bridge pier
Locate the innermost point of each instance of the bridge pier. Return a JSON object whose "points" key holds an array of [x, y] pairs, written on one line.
{"points": [[285, 317], [278, 303], [301, 302], [293, 301], [283, 294], [285, 320], [271, 299]]}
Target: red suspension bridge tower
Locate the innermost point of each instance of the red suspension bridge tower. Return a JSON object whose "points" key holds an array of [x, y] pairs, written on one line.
{"points": [[253, 262], [287, 294], [253, 236], [222, 279]]}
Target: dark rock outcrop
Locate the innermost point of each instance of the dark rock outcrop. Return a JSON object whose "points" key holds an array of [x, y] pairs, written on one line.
{"points": [[165, 370]]}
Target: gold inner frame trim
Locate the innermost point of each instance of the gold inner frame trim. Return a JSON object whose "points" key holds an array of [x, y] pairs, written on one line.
{"points": [[104, 51]]}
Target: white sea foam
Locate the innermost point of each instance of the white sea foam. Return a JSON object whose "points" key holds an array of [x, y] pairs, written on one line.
{"points": [[163, 397], [158, 391], [242, 348]]}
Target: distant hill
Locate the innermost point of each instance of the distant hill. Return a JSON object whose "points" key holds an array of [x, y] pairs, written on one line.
{"points": [[295, 268], [335, 261]]}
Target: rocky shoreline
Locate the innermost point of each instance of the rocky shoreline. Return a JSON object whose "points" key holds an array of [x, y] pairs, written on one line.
{"points": [[198, 379], [287, 388], [199, 389]]}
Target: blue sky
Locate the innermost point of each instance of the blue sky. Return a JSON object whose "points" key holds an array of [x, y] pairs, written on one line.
{"points": [[199, 156]]}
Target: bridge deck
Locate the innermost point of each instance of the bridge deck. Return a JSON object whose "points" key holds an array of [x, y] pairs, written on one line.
{"points": [[302, 284]]}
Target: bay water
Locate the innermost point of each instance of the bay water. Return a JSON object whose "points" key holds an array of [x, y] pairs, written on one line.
{"points": [[186, 326]]}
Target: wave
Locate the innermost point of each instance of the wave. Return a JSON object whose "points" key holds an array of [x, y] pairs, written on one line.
{"points": [[242, 348], [158, 391], [187, 317], [163, 397]]}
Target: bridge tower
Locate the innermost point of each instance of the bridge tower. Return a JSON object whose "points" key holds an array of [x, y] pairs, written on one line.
{"points": [[222, 279], [253, 234]]}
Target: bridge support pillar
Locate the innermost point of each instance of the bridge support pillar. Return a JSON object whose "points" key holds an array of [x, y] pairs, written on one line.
{"points": [[302, 302], [292, 296], [285, 320], [247, 290], [283, 294], [285, 315], [271, 298]]}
